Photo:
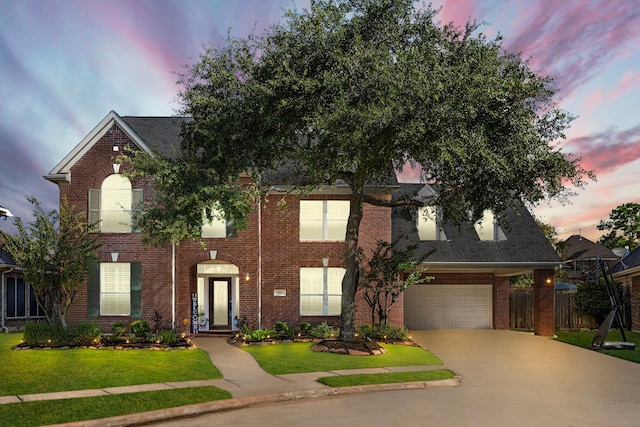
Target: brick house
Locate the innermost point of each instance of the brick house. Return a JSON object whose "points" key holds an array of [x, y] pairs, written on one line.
{"points": [[287, 265]]}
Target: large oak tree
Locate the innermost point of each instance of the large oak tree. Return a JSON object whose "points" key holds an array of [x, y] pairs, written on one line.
{"points": [[345, 91]]}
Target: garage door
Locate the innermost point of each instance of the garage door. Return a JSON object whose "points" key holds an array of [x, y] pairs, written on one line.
{"points": [[448, 307]]}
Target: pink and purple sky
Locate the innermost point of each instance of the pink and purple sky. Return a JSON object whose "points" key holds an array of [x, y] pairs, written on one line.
{"points": [[64, 64]]}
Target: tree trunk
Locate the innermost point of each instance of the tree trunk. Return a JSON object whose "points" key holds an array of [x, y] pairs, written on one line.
{"points": [[350, 281]]}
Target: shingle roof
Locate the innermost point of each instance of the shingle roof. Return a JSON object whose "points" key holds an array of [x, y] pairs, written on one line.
{"points": [[162, 133], [630, 261], [6, 260], [578, 247], [525, 242]]}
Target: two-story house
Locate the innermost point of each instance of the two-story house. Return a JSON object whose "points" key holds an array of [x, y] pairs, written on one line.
{"points": [[287, 265]]}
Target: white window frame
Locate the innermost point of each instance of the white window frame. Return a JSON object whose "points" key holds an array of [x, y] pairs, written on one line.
{"points": [[321, 287], [112, 206], [217, 226], [488, 229], [329, 217], [115, 289], [429, 223]]}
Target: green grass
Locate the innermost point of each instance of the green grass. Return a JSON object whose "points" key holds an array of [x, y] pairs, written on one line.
{"points": [[583, 339], [296, 358], [43, 371], [386, 378], [86, 408]]}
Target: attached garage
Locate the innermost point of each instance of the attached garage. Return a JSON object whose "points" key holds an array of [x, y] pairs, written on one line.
{"points": [[448, 306]]}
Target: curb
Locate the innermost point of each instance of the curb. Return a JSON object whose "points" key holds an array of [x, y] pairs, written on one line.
{"points": [[246, 402]]}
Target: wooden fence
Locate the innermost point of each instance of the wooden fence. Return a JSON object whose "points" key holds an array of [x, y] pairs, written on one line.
{"points": [[521, 311]]}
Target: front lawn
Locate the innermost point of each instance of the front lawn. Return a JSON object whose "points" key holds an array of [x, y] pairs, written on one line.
{"points": [[44, 371], [48, 412], [386, 378], [583, 339], [294, 358]]}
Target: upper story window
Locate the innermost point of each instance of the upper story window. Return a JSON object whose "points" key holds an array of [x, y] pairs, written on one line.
{"points": [[219, 226], [430, 223], [323, 219], [488, 228], [112, 206]]}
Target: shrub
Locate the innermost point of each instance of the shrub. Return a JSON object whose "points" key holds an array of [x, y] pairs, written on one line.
{"points": [[139, 328], [323, 330], [117, 329], [383, 332], [305, 328], [283, 331], [84, 333], [45, 334], [262, 334], [593, 299]]}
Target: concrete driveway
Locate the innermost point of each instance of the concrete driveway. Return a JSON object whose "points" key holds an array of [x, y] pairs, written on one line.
{"points": [[508, 379]]}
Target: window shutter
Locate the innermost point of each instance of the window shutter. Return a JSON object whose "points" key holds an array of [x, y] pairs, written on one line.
{"points": [[231, 228], [136, 209], [93, 291], [136, 290], [93, 215]]}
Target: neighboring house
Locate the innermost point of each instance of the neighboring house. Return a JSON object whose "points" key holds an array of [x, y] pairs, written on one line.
{"points": [[17, 300], [580, 256], [287, 265], [627, 272]]}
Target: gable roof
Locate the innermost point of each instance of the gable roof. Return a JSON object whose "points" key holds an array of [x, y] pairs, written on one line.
{"points": [[578, 247], [525, 248], [144, 132], [6, 260], [630, 262]]}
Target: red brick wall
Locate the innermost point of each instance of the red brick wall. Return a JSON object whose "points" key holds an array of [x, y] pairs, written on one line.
{"points": [[501, 303], [282, 251], [543, 303], [635, 303]]}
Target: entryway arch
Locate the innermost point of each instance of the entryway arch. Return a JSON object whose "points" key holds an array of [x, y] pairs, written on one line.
{"points": [[217, 292]]}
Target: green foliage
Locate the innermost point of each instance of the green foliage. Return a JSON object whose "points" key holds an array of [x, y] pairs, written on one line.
{"points": [[384, 332], [592, 298], [345, 90], [46, 334], [117, 329], [623, 226], [386, 274], [262, 334], [323, 330], [54, 252], [139, 328], [305, 328], [167, 336], [521, 281], [386, 378], [283, 331]]}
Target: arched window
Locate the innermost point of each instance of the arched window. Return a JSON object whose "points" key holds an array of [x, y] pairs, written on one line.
{"points": [[111, 206]]}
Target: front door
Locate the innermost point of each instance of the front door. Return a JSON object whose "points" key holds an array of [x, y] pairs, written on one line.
{"points": [[219, 303]]}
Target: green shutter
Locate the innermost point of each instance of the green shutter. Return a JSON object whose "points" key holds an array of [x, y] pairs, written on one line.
{"points": [[93, 291], [136, 290], [231, 228], [93, 210], [136, 209]]}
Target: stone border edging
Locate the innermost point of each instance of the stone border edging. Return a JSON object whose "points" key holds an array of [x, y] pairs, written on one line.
{"points": [[198, 409]]}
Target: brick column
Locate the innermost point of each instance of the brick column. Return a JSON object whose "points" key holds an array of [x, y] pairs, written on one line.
{"points": [[635, 303], [501, 303], [543, 303]]}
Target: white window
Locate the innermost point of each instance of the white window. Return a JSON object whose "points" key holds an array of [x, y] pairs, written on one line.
{"points": [[219, 226], [320, 291], [112, 205], [323, 219], [488, 229], [115, 289], [430, 223]]}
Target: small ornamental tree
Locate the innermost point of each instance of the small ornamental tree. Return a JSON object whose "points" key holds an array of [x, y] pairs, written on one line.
{"points": [[592, 298], [54, 252], [385, 275], [346, 91]]}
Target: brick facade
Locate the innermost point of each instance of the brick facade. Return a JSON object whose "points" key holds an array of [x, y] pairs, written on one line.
{"points": [[543, 303]]}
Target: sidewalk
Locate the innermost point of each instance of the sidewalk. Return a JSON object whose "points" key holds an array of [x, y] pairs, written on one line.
{"points": [[247, 382]]}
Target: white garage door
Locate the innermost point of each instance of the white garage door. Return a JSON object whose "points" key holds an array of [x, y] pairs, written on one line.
{"points": [[448, 307]]}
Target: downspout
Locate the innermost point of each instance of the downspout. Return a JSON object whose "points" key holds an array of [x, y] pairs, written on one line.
{"points": [[260, 262], [4, 300], [173, 285]]}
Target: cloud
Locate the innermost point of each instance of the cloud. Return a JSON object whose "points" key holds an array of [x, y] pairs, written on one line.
{"points": [[573, 40], [607, 151]]}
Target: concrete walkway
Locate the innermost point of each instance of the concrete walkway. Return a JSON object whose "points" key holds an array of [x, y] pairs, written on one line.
{"points": [[247, 382]]}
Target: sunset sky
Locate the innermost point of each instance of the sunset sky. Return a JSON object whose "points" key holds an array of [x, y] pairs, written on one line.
{"points": [[65, 64]]}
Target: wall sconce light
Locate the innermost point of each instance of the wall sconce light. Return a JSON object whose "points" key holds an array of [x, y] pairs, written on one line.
{"points": [[247, 277], [548, 280]]}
